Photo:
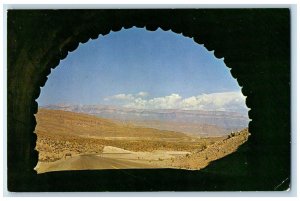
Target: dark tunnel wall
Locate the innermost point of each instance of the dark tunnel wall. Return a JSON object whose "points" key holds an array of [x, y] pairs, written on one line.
{"points": [[255, 44]]}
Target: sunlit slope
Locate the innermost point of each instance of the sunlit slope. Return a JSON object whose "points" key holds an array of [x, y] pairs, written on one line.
{"points": [[59, 122]]}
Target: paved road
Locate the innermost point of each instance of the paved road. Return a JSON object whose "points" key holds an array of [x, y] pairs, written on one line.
{"points": [[88, 162]]}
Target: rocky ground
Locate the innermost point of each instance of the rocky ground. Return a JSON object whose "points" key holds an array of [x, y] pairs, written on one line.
{"points": [[199, 159]]}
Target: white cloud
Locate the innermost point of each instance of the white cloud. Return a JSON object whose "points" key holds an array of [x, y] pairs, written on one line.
{"points": [[142, 94], [225, 101], [166, 102], [122, 97]]}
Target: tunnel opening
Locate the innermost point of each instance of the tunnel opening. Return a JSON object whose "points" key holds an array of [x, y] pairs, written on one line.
{"points": [[139, 99]]}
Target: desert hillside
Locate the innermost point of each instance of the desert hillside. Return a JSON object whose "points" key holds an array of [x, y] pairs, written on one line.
{"points": [[60, 132], [59, 122], [199, 122]]}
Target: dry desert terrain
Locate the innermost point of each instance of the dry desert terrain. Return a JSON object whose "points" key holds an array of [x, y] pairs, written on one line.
{"points": [[76, 141]]}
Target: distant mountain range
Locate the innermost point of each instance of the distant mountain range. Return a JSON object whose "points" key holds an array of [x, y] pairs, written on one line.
{"points": [[197, 122]]}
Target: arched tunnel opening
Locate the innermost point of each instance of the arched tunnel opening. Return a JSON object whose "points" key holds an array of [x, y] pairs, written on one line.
{"points": [[39, 39]]}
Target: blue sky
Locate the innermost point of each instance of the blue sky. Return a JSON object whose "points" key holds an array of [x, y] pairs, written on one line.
{"points": [[143, 69]]}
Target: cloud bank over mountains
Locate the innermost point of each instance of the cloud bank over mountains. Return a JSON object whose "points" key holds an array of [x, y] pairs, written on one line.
{"points": [[224, 101]]}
